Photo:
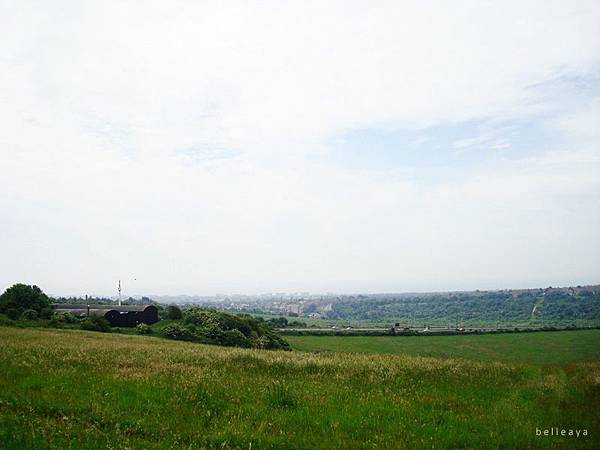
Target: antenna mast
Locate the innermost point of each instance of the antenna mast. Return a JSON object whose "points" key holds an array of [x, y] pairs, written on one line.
{"points": [[119, 292]]}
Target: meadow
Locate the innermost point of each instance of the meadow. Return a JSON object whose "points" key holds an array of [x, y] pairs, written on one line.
{"points": [[563, 347], [78, 389]]}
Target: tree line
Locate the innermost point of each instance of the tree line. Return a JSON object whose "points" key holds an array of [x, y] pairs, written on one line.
{"points": [[535, 306]]}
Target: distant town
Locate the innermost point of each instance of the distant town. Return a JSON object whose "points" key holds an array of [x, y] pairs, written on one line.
{"points": [[553, 304]]}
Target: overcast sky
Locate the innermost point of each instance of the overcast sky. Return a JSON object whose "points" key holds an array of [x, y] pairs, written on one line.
{"points": [[207, 146]]}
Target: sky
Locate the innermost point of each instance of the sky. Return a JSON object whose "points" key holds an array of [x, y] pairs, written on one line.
{"points": [[207, 147]]}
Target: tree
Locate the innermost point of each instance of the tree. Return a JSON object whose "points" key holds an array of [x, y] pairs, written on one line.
{"points": [[278, 322], [174, 313], [20, 297]]}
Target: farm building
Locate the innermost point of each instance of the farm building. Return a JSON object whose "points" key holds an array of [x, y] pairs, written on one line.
{"points": [[117, 316]]}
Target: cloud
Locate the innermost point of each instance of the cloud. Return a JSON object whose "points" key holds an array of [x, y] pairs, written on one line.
{"points": [[185, 143], [582, 123]]}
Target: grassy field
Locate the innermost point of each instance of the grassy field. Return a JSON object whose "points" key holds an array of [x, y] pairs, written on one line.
{"points": [[76, 389], [535, 348]]}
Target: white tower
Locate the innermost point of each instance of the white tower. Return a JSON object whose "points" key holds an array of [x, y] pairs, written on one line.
{"points": [[119, 292]]}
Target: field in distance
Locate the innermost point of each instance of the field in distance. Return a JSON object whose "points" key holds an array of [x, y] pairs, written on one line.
{"points": [[557, 347], [77, 389]]}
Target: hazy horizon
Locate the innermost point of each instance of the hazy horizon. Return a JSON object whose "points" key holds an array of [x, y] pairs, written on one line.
{"points": [[289, 292], [299, 146]]}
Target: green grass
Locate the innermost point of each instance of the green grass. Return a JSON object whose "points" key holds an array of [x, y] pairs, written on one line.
{"points": [[559, 347], [75, 389]]}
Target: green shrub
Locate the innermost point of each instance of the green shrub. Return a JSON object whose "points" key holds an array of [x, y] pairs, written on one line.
{"points": [[143, 328], [244, 323], [218, 327], [271, 342], [63, 318], [46, 313], [4, 320], [29, 314], [95, 323], [277, 322], [235, 338], [173, 313], [178, 332], [212, 332], [200, 317]]}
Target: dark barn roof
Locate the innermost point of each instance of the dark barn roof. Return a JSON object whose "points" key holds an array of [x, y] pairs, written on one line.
{"points": [[115, 307], [117, 316]]}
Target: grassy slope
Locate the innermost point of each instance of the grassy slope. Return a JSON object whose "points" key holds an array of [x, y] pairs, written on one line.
{"points": [[74, 389], [536, 348]]}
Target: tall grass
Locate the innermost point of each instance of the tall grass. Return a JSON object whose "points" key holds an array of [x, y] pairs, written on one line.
{"points": [[75, 389]]}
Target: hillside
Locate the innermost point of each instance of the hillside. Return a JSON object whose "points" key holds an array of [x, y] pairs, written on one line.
{"points": [[66, 388], [530, 306]]}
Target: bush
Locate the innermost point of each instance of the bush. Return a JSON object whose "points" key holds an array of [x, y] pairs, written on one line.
{"points": [[262, 342], [5, 320], [95, 323], [173, 313], [211, 332], [177, 332], [63, 318], [271, 342], [29, 314], [204, 318], [217, 327], [200, 317], [277, 322], [46, 313], [235, 338], [143, 328]]}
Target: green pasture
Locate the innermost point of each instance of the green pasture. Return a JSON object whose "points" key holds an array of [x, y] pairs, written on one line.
{"points": [[555, 347], [70, 389]]}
